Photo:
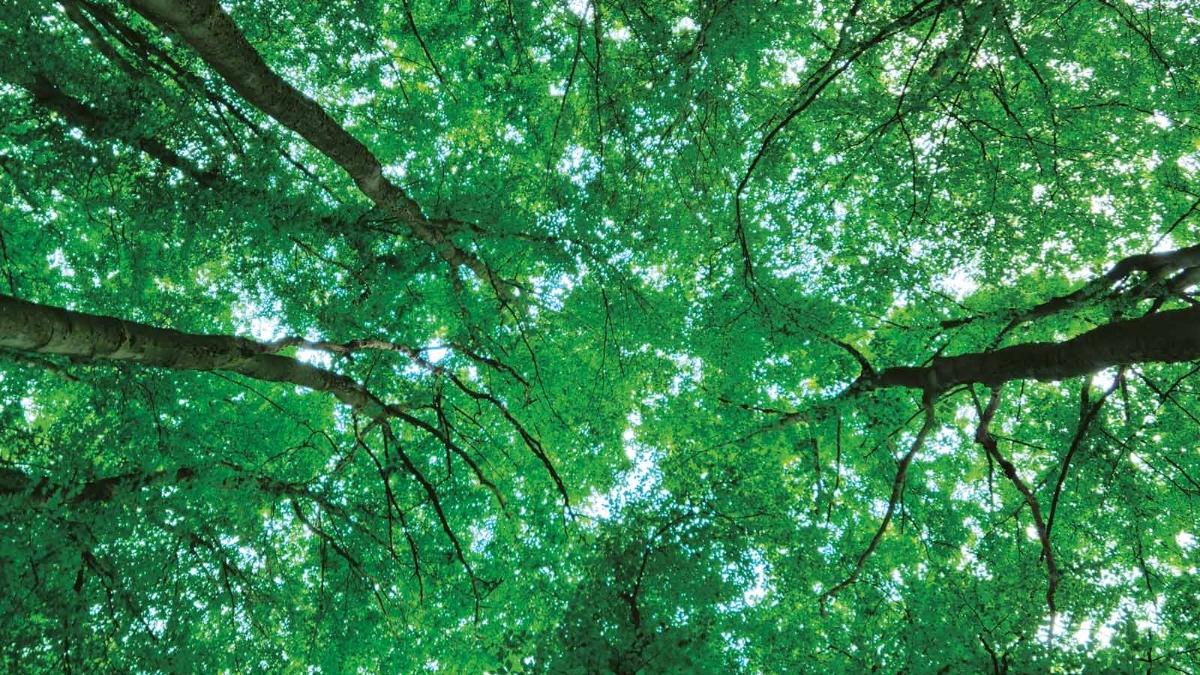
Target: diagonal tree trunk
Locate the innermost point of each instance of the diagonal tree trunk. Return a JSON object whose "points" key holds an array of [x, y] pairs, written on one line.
{"points": [[1166, 337], [30, 327], [217, 39]]}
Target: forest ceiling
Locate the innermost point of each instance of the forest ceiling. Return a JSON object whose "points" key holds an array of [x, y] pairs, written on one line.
{"points": [[599, 335]]}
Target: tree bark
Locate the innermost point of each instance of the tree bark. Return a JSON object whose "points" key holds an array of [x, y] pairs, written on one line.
{"points": [[1164, 337], [216, 38], [30, 327]]}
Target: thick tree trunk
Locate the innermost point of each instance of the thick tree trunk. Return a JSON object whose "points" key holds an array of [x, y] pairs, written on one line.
{"points": [[29, 327], [1166, 337], [213, 34], [216, 38]]}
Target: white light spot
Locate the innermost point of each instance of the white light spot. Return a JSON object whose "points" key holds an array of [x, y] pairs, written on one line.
{"points": [[1185, 540], [685, 25]]}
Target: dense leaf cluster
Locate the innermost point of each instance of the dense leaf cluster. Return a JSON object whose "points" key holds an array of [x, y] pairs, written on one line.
{"points": [[636, 322]]}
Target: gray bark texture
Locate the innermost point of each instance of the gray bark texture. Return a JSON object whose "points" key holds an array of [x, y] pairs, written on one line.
{"points": [[217, 39], [30, 327]]}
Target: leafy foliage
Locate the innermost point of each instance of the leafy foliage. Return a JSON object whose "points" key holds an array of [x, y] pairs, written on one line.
{"points": [[640, 352]]}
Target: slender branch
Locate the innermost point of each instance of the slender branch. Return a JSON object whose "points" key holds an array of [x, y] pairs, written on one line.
{"points": [[1085, 422], [1157, 266], [984, 437], [48, 94], [897, 489], [431, 492]]}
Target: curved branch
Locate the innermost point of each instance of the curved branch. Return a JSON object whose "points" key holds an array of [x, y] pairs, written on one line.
{"points": [[984, 437], [897, 489], [1085, 422]]}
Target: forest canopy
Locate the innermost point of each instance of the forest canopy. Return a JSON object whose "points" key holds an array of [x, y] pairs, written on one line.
{"points": [[599, 336]]}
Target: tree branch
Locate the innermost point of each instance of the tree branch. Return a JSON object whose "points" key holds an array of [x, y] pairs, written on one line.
{"points": [[1157, 267], [897, 489], [1162, 337], [206, 27], [30, 327], [984, 437]]}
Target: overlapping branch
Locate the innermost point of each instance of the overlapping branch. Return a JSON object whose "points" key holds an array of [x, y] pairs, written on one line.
{"points": [[1169, 271], [893, 500], [211, 32], [77, 113], [34, 328], [984, 437]]}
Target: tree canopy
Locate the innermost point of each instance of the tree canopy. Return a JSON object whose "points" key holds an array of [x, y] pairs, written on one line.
{"points": [[599, 336]]}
